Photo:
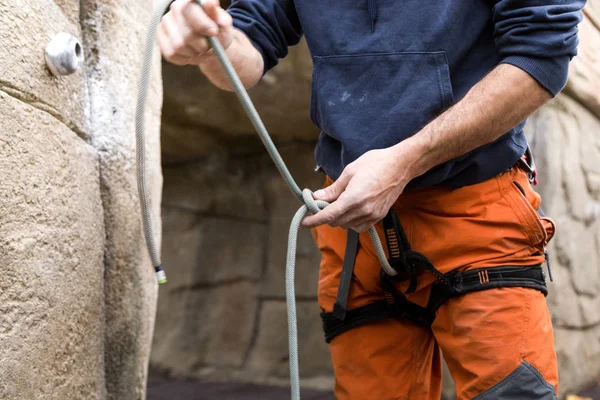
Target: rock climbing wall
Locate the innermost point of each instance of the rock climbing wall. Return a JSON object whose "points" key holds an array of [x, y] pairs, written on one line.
{"points": [[226, 214], [77, 292]]}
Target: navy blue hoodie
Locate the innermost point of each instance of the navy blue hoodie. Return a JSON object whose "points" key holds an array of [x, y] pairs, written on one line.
{"points": [[383, 69]]}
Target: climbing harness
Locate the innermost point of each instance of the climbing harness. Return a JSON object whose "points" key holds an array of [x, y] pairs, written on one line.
{"points": [[408, 265], [305, 196]]}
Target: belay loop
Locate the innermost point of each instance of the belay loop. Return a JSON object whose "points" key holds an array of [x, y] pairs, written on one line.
{"points": [[310, 204]]}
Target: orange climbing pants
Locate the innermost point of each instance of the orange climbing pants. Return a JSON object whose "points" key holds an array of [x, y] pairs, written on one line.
{"points": [[498, 343]]}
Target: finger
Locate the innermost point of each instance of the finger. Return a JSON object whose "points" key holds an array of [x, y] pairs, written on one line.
{"points": [[176, 38], [211, 8], [333, 191], [321, 218], [196, 18], [224, 19], [328, 215], [195, 42], [167, 49]]}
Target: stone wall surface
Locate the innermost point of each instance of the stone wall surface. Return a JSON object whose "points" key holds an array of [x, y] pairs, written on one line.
{"points": [[226, 214], [222, 314], [200, 120], [77, 291]]}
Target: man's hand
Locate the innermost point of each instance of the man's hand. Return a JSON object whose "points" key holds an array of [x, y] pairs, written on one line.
{"points": [[365, 191], [183, 30], [182, 40]]}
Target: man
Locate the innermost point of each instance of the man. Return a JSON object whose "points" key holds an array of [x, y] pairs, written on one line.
{"points": [[421, 106]]}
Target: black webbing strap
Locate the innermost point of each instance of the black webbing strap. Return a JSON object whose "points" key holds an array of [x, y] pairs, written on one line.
{"points": [[399, 307], [396, 305], [487, 278], [372, 312], [341, 300]]}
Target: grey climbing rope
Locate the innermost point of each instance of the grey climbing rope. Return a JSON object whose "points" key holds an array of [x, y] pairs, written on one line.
{"points": [[140, 146], [309, 203]]}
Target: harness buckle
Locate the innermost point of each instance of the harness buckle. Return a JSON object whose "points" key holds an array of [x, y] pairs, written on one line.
{"points": [[528, 164]]}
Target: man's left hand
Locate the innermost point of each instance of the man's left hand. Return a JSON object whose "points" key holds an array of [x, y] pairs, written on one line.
{"points": [[365, 191]]}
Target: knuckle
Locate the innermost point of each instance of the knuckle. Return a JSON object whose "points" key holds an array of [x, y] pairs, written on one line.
{"points": [[329, 218]]}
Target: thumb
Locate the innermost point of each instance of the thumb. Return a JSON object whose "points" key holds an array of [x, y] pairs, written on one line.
{"points": [[333, 191]]}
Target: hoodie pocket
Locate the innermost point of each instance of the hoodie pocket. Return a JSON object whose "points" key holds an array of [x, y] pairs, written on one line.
{"points": [[368, 101]]}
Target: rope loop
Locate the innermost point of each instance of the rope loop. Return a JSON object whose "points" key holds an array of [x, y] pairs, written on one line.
{"points": [[314, 206]]}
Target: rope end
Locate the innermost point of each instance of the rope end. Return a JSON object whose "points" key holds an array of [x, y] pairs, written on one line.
{"points": [[161, 277]]}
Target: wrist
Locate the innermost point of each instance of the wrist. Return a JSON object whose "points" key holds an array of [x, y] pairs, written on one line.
{"points": [[413, 155]]}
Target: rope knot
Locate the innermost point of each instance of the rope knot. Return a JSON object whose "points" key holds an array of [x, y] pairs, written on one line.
{"points": [[314, 206]]}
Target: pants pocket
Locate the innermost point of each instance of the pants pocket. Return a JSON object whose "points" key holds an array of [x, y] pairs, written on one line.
{"points": [[524, 201]]}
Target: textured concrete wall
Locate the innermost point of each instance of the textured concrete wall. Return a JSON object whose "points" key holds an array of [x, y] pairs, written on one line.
{"points": [[222, 314], [226, 214], [77, 293]]}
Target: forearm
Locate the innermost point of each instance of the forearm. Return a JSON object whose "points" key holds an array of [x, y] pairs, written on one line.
{"points": [[500, 101], [246, 60]]}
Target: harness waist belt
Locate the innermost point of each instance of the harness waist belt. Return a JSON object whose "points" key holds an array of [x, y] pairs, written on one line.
{"points": [[396, 305]]}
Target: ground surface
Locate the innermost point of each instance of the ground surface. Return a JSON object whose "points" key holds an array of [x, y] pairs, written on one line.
{"points": [[593, 393], [169, 389]]}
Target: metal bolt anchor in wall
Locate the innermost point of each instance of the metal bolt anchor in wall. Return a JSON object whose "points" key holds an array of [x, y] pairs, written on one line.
{"points": [[64, 54]]}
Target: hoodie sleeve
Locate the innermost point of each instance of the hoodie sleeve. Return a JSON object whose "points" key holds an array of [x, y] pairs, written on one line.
{"points": [[538, 36], [271, 26]]}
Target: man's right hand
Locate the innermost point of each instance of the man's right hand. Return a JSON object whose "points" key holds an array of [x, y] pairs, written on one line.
{"points": [[183, 30]]}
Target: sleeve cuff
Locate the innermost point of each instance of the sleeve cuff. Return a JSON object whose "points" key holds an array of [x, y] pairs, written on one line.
{"points": [[551, 73]]}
